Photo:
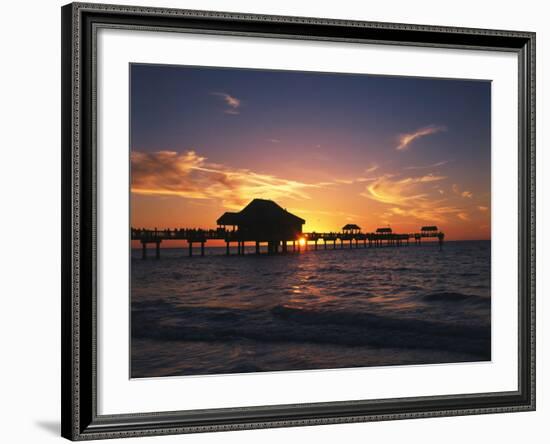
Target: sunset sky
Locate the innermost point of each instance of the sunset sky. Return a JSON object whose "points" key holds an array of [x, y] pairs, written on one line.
{"points": [[330, 148]]}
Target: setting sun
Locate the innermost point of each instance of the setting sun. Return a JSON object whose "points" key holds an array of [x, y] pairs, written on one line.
{"points": [[302, 241]]}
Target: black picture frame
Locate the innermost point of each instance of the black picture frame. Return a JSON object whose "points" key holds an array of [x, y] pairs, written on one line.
{"points": [[79, 170]]}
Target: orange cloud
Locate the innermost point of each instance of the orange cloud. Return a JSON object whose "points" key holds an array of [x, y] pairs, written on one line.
{"points": [[400, 191], [406, 139], [457, 191], [411, 197], [188, 175]]}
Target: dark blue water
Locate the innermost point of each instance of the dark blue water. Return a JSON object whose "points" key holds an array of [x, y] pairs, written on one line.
{"points": [[315, 310]]}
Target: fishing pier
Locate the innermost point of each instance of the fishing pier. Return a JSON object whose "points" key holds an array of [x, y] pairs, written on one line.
{"points": [[264, 223]]}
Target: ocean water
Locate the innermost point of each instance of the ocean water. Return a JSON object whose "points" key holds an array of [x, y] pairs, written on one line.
{"points": [[314, 310]]}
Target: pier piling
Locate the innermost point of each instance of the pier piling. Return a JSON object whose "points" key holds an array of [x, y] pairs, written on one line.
{"points": [[383, 237]]}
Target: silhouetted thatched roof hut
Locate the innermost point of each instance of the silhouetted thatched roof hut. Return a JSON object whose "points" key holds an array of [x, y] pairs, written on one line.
{"points": [[349, 227], [429, 228], [228, 218], [264, 220]]}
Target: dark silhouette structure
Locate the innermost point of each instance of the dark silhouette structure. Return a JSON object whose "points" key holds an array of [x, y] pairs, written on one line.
{"points": [[264, 222], [429, 229], [351, 229]]}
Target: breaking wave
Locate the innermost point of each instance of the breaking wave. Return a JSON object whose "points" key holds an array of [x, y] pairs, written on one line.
{"points": [[165, 322]]}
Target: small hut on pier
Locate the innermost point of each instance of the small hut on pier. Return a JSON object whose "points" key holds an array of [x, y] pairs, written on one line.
{"points": [[228, 219], [263, 220], [429, 231], [386, 230], [351, 229]]}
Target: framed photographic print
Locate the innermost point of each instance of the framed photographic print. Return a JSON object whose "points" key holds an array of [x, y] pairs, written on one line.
{"points": [[280, 221]]}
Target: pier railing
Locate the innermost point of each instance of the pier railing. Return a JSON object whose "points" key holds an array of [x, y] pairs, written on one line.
{"points": [[297, 243]]}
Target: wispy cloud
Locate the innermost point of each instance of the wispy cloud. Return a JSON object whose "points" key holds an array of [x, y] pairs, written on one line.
{"points": [[327, 213], [186, 174], [422, 167], [232, 102], [411, 197], [372, 168], [365, 179], [462, 193], [403, 191], [273, 140], [483, 208], [189, 175], [406, 139], [192, 176]]}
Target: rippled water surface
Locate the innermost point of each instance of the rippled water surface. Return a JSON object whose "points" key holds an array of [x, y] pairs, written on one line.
{"points": [[315, 310]]}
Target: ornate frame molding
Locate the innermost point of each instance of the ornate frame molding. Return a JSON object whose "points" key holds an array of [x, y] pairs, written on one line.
{"points": [[80, 420]]}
